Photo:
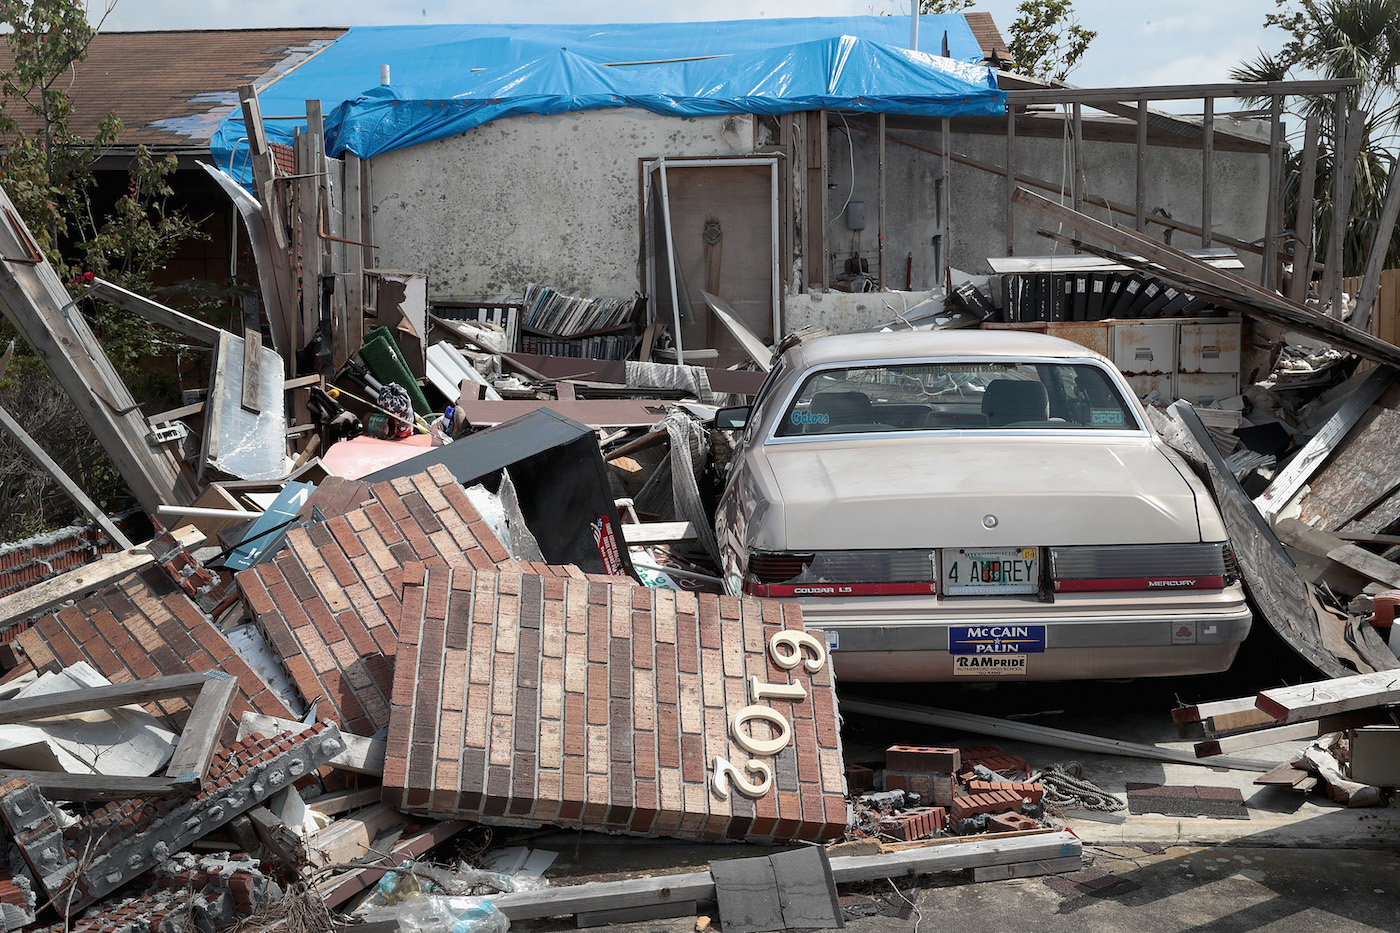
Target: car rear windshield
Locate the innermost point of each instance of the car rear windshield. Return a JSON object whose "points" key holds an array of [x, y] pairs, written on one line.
{"points": [[963, 396]]}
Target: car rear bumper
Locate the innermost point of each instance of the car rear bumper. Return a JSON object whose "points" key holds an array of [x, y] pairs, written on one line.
{"points": [[1078, 639]]}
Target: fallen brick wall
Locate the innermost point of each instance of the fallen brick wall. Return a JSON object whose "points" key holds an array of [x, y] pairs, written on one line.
{"points": [[143, 626], [24, 563], [329, 603], [522, 699]]}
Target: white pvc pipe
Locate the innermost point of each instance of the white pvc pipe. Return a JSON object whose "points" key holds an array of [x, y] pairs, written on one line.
{"points": [[191, 511]]}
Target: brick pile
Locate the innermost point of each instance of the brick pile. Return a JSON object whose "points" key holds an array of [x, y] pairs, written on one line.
{"points": [[1026, 791], [524, 699], [914, 823], [199, 583], [99, 853], [186, 895], [924, 770], [329, 603], [144, 625]]}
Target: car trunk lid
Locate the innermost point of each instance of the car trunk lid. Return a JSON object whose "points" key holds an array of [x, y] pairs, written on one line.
{"points": [[946, 491]]}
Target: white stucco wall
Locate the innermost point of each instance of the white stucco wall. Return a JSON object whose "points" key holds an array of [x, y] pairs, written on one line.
{"points": [[554, 200]]}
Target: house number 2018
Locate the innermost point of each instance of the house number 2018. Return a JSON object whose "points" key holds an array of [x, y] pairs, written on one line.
{"points": [[788, 649]]}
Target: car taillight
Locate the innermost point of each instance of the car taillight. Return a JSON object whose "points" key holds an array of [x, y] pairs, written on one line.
{"points": [[1208, 566], [775, 567], [841, 573]]}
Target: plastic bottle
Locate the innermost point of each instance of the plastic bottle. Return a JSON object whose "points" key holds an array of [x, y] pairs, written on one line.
{"points": [[438, 913]]}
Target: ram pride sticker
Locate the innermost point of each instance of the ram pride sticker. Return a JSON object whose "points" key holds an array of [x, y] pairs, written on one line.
{"points": [[994, 640], [994, 664]]}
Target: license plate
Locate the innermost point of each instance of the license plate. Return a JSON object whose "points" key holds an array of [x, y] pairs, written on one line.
{"points": [[997, 665], [1000, 571]]}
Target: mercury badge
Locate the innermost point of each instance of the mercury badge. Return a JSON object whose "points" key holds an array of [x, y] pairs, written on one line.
{"points": [[989, 521]]}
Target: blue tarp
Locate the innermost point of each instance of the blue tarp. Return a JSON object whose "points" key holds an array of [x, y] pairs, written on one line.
{"points": [[447, 80]]}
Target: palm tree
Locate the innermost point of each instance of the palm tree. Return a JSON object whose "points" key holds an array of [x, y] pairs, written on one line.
{"points": [[1343, 39]]}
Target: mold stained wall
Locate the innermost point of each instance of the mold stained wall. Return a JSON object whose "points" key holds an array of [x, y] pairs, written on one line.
{"points": [[978, 215], [548, 199]]}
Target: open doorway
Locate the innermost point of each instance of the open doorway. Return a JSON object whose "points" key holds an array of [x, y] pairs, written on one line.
{"points": [[723, 230]]}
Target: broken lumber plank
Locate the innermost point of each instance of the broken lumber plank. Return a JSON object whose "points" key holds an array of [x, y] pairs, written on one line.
{"points": [[1290, 733], [83, 788], [177, 321], [351, 837], [1028, 732], [1366, 563], [1280, 593], [1199, 712], [1328, 697], [1287, 775], [284, 844], [75, 583], [1049, 866], [331, 804], [93, 698], [190, 762], [1304, 463], [341, 888], [362, 755]]}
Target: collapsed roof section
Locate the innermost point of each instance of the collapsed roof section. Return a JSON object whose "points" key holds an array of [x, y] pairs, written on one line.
{"points": [[450, 79]]}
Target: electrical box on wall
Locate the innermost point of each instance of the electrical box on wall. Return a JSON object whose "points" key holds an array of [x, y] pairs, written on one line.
{"points": [[855, 215]]}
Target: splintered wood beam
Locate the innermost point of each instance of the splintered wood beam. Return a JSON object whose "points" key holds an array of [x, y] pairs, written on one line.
{"points": [[190, 763], [109, 697], [1309, 460], [1258, 738], [1329, 697], [177, 321], [39, 306]]}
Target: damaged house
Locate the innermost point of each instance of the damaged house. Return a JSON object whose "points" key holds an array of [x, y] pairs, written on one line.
{"points": [[442, 564]]}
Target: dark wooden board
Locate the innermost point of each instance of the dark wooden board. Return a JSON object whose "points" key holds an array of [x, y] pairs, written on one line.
{"points": [[1279, 592]]}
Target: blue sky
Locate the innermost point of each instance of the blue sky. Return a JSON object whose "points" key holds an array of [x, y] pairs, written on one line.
{"points": [[1178, 42]]}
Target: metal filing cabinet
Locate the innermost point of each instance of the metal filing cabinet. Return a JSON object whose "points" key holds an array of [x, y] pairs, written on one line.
{"points": [[1209, 365], [1147, 356]]}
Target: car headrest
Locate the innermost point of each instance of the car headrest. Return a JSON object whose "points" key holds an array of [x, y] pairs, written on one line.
{"points": [[843, 407], [1011, 400]]}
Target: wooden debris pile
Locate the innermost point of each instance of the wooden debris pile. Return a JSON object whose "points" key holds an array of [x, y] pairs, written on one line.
{"points": [[1341, 716]]}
